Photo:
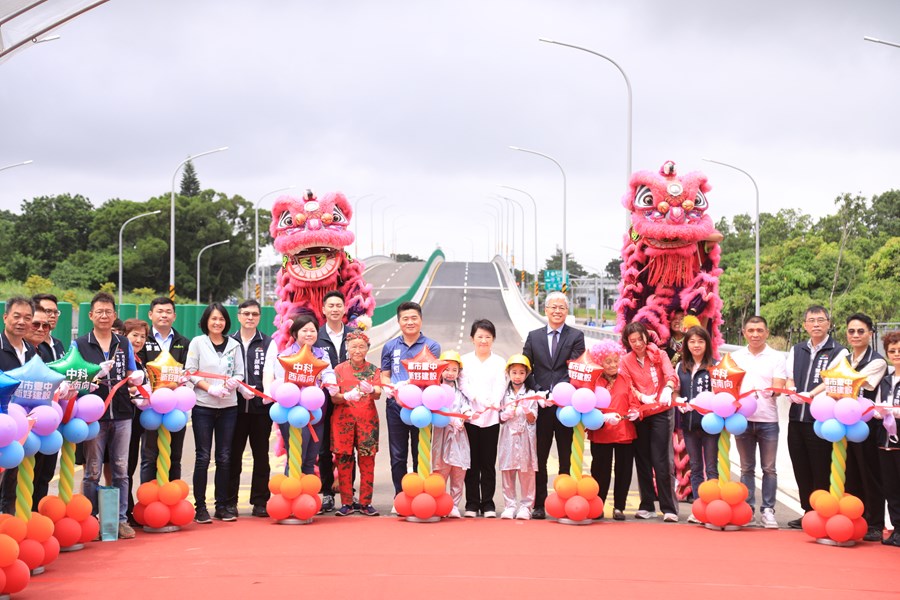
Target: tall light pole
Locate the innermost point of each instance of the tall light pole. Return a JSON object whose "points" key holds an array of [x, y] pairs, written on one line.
{"points": [[522, 210], [21, 164], [564, 247], [877, 41], [172, 219], [199, 254], [533, 204], [383, 215], [756, 226], [493, 218], [356, 237], [247, 280], [258, 294], [498, 220], [504, 230], [121, 230]]}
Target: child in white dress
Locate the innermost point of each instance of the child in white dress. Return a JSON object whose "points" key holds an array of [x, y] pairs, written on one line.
{"points": [[517, 452], [450, 454]]}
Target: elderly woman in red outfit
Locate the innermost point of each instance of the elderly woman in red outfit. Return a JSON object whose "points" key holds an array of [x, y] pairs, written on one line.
{"points": [[650, 376], [617, 433]]}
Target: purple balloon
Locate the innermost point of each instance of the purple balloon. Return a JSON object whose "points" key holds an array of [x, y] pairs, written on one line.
{"points": [[602, 399], [185, 398], [723, 405], [8, 430], [89, 408], [865, 405], [822, 408], [704, 400], [311, 398], [562, 393], [163, 400], [433, 397], [847, 411], [410, 396], [449, 394], [46, 420], [17, 412], [748, 406], [583, 400], [287, 394]]}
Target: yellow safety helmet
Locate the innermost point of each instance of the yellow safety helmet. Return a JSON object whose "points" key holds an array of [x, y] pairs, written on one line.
{"points": [[518, 359], [452, 355], [690, 321]]}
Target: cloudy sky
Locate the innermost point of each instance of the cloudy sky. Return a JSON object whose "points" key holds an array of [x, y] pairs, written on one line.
{"points": [[416, 104]]}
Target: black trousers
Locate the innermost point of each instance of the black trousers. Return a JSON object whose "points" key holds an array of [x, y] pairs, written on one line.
{"points": [[548, 428], [255, 428], [890, 480], [326, 460], [653, 458], [811, 459], [864, 476], [44, 468], [481, 478], [602, 470], [134, 457]]}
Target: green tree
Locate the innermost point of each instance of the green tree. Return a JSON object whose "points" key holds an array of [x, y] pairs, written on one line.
{"points": [[883, 218], [613, 269], [49, 230], [190, 185]]}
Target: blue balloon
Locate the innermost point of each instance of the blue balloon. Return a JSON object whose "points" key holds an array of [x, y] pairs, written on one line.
{"points": [[712, 423], [736, 424], [817, 428], [32, 444], [858, 432], [75, 431], [315, 416], [150, 419], [420, 417], [593, 419], [175, 420], [569, 416], [93, 430], [833, 430], [279, 413], [405, 414], [440, 420], [11, 456], [298, 416], [51, 443]]}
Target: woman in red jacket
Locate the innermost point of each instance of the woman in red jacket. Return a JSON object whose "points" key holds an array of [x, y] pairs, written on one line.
{"points": [[617, 433]]}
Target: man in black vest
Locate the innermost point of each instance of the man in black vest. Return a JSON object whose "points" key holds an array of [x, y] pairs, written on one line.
{"points": [[52, 347], [810, 454]]}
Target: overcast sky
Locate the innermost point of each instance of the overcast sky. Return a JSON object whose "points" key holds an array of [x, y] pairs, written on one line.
{"points": [[417, 102]]}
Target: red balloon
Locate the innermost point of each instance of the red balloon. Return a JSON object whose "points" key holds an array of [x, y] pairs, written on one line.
{"points": [[67, 532], [814, 525], [304, 506], [718, 513], [860, 527], [17, 577], [596, 508], [138, 513], [424, 506], [278, 507], [90, 527], [699, 509], [555, 506], [181, 513], [31, 553], [157, 515], [403, 504], [51, 550], [741, 514], [839, 528], [577, 508], [444, 505]]}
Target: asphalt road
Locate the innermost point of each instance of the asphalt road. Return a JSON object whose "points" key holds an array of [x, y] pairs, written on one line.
{"points": [[389, 280]]}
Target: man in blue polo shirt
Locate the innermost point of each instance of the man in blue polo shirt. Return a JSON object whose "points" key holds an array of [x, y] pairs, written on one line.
{"points": [[402, 438]]}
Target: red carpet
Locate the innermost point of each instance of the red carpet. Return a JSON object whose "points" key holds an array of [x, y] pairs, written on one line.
{"points": [[362, 557]]}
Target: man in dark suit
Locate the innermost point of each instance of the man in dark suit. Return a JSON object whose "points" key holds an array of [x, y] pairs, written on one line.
{"points": [[549, 349]]}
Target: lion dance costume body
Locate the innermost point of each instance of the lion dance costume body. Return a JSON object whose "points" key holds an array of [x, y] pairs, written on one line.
{"points": [[312, 235]]}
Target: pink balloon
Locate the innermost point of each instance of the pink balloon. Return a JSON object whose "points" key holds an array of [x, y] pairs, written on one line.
{"points": [[723, 404], [163, 400], [410, 396], [602, 399], [583, 400], [185, 398], [847, 411], [58, 408], [864, 405], [704, 400], [8, 430], [311, 398], [433, 397], [46, 420], [748, 406], [88, 408], [822, 408], [17, 412], [287, 394], [449, 394], [562, 393]]}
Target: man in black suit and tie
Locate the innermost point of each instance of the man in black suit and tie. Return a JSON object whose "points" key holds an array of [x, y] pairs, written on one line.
{"points": [[549, 349]]}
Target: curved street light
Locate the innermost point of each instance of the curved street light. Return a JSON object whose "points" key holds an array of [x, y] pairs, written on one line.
{"points": [[122, 230], [258, 293], [877, 41], [522, 210], [534, 205], [497, 216], [504, 228], [21, 164], [199, 254], [354, 203]]}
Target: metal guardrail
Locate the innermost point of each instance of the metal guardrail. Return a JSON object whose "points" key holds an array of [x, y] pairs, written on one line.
{"points": [[388, 311]]}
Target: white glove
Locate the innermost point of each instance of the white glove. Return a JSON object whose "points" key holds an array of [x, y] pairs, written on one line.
{"points": [[457, 424], [140, 401], [63, 389], [246, 393], [332, 389], [685, 408], [648, 399], [105, 366], [365, 387], [136, 378], [218, 391], [633, 414], [352, 396], [231, 383], [896, 412], [665, 398], [612, 419]]}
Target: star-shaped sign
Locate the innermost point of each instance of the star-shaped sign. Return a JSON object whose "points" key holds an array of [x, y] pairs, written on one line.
{"points": [[77, 371], [424, 368], [8, 387], [726, 377], [584, 372], [302, 368], [38, 383], [842, 381], [164, 371]]}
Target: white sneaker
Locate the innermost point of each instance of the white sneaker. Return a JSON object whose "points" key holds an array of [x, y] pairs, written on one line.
{"points": [[524, 513], [693, 519], [470, 514], [394, 511], [490, 514], [645, 514], [670, 518], [508, 513], [767, 519], [454, 513]]}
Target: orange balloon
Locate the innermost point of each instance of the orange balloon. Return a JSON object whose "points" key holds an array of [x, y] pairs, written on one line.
{"points": [[157, 515], [424, 506], [403, 504], [138, 513], [290, 488], [718, 513], [434, 485], [839, 528], [79, 507], [709, 491], [90, 528], [275, 483], [31, 553], [53, 507], [741, 513], [147, 493], [565, 486], [555, 506], [15, 528], [860, 527], [51, 550], [412, 484], [304, 507], [588, 488], [67, 532], [181, 513], [827, 506], [444, 504], [733, 493], [9, 550], [815, 495], [596, 507], [39, 528], [851, 507], [698, 508], [311, 484], [577, 508], [17, 577], [278, 507], [185, 490], [170, 494]]}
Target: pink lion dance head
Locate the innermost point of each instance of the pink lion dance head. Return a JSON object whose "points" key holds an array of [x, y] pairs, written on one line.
{"points": [[312, 235]]}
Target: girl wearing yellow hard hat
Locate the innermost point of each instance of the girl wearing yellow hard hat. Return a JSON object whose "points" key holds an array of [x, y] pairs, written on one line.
{"points": [[450, 452]]}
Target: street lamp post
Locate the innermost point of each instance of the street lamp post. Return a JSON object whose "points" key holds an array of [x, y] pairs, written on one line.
{"points": [[383, 215], [534, 205], [247, 280], [756, 227], [564, 247], [877, 41], [356, 237], [372, 225], [199, 254], [493, 218], [498, 220], [522, 210], [121, 230], [21, 164], [172, 219], [504, 229], [258, 294]]}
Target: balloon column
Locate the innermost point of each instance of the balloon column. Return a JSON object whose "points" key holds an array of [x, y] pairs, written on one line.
{"points": [[73, 524], [20, 548], [298, 403], [422, 401], [836, 517]]}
